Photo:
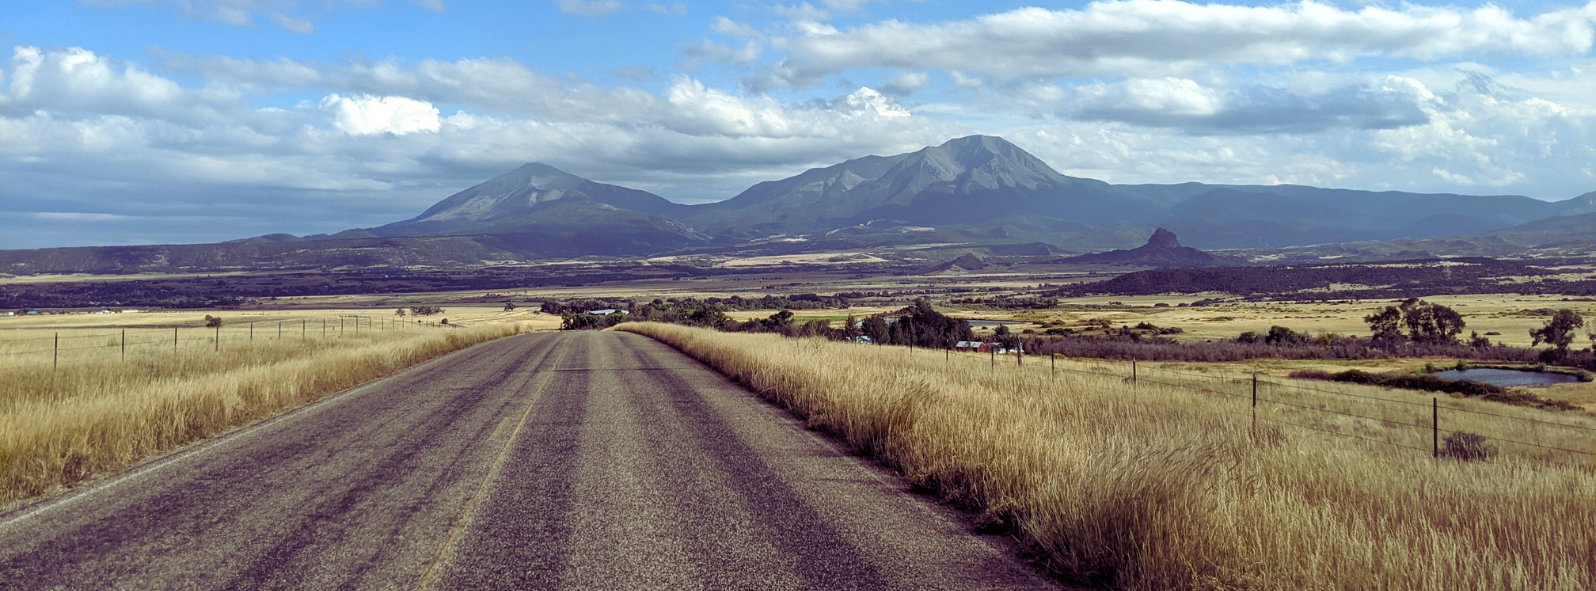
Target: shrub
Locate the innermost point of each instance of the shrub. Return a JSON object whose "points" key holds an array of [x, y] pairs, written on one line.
{"points": [[1466, 446]]}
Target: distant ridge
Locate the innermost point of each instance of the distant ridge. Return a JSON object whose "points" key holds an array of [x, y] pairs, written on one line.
{"points": [[966, 262], [981, 193], [1162, 250]]}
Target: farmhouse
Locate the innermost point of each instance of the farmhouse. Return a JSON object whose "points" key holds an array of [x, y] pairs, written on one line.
{"points": [[980, 347]]}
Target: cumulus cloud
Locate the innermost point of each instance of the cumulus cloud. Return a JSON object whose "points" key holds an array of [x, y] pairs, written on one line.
{"points": [[75, 80], [1142, 37], [84, 133], [366, 115], [434, 5], [588, 7]]}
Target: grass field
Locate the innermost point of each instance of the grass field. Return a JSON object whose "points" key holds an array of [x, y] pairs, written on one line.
{"points": [[94, 410], [1150, 485]]}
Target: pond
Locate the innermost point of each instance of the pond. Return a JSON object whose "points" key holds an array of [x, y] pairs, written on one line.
{"points": [[1507, 377]]}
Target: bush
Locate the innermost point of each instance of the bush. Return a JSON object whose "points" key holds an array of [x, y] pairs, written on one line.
{"points": [[1466, 446]]}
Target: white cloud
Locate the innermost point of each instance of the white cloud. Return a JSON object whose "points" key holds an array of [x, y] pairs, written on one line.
{"points": [[588, 7], [1191, 107], [434, 5], [674, 9], [905, 83], [75, 80], [801, 13], [704, 49], [731, 28], [365, 115], [283, 13], [1169, 37]]}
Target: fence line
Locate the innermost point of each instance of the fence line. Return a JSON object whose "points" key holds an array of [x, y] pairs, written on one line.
{"points": [[240, 332], [1427, 423]]}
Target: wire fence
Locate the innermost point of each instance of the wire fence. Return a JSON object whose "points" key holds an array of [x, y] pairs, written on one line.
{"points": [[1445, 428], [64, 347]]}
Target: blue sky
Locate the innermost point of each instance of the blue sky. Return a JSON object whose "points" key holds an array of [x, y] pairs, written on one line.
{"points": [[155, 121]]}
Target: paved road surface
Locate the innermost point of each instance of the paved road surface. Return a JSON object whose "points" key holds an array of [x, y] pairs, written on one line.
{"points": [[550, 461]]}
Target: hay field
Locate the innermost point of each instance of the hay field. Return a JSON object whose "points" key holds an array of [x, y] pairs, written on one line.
{"points": [[1151, 485], [1506, 314], [96, 407]]}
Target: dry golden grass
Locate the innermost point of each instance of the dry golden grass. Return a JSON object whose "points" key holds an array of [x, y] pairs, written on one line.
{"points": [[1150, 486], [97, 413]]}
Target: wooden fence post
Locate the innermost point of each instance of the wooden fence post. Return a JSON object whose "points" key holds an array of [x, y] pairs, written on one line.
{"points": [[124, 344], [252, 332], [1435, 427], [218, 337], [1255, 403], [1133, 370], [55, 361], [174, 340]]}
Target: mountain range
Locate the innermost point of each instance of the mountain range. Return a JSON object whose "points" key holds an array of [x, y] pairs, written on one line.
{"points": [[976, 190]]}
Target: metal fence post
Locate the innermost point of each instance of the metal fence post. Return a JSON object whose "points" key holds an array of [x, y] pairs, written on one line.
{"points": [[174, 340], [218, 337], [1133, 370], [124, 344], [55, 361], [252, 332], [1435, 427]]}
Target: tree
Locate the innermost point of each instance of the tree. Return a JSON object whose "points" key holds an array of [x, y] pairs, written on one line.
{"points": [[509, 306], [1559, 331], [1386, 324], [1430, 323], [1426, 322], [1280, 335], [875, 328], [399, 312], [212, 321]]}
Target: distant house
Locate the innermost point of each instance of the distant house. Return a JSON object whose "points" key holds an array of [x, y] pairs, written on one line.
{"points": [[860, 340], [8, 313], [980, 347], [605, 312], [890, 320]]}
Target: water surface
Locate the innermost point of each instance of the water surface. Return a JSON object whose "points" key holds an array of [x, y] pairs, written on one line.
{"points": [[1507, 377]]}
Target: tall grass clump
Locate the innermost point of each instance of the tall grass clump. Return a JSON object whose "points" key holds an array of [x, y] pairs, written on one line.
{"points": [[1143, 486], [95, 415]]}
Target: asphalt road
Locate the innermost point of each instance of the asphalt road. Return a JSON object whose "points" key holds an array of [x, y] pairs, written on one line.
{"points": [[551, 461]]}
